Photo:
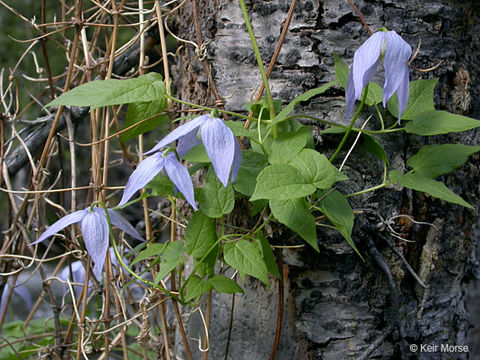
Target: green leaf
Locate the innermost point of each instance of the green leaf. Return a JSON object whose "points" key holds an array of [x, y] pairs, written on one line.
{"points": [[171, 258], [295, 215], [420, 99], [374, 147], [197, 154], [262, 107], [315, 168], [200, 234], [281, 182], [302, 97], [434, 160], [439, 122], [333, 130], [207, 266], [268, 256], [151, 250], [161, 186], [196, 287], [238, 129], [341, 70], [95, 94], [429, 186], [258, 206], [245, 257], [216, 200], [338, 211], [287, 145], [224, 285], [374, 95], [252, 164], [137, 112]]}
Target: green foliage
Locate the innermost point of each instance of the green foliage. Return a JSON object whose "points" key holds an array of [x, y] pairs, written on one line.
{"points": [[439, 122], [429, 186], [260, 109], [281, 182], [139, 111], [253, 162], [434, 160], [200, 235], [161, 186], [316, 169], [145, 88], [171, 258], [27, 349], [374, 147], [245, 256], [197, 155], [268, 256], [307, 95], [294, 214], [420, 99], [341, 70], [338, 211], [196, 287], [216, 200], [287, 145], [224, 285], [151, 251]]}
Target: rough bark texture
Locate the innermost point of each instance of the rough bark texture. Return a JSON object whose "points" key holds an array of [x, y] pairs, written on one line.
{"points": [[338, 307]]}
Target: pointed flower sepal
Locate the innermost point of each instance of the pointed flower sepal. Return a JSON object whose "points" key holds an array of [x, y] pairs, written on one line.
{"points": [[396, 52], [150, 167], [220, 144], [95, 231]]}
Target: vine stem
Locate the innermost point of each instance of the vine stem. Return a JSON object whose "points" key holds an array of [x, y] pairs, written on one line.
{"points": [[278, 330], [207, 323], [350, 127], [259, 59], [370, 189], [206, 108]]}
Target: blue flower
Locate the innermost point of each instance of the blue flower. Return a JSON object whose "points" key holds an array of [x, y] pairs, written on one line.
{"points": [[18, 290], [76, 273], [95, 231], [78, 276], [150, 167], [365, 62], [220, 144]]}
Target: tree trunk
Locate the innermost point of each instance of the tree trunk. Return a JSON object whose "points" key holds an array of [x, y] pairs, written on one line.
{"points": [[336, 305]]}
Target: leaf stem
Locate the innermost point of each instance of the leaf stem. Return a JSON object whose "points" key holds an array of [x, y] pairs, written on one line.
{"points": [[206, 108], [380, 116], [349, 129], [331, 123], [382, 185]]}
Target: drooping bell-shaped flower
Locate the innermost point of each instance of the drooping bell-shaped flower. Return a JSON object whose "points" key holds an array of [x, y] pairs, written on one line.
{"points": [[75, 273], [220, 144], [95, 232], [150, 167], [20, 291], [396, 53]]}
